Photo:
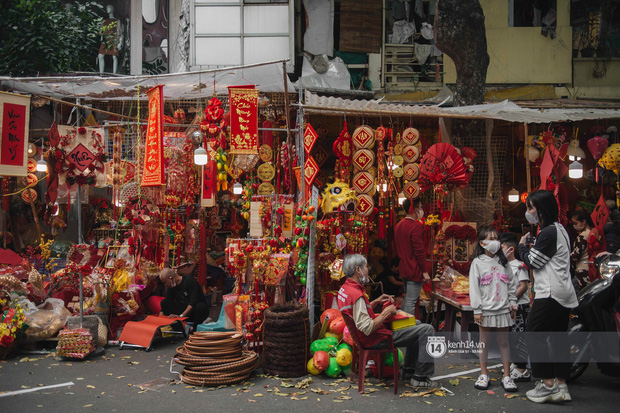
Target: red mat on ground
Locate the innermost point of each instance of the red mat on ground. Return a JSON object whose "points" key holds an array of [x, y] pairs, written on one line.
{"points": [[142, 332]]}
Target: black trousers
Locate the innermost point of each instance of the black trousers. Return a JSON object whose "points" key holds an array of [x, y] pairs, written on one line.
{"points": [[548, 316], [199, 312], [518, 346]]}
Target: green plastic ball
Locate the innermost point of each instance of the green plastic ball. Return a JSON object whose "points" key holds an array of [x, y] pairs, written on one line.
{"points": [[345, 345], [389, 358], [334, 368]]}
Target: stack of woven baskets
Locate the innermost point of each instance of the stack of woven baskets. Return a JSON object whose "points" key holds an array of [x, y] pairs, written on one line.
{"points": [[215, 358]]}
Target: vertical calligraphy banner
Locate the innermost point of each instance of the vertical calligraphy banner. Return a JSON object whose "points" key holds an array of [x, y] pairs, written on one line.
{"points": [[14, 130], [243, 120], [209, 183], [153, 174]]}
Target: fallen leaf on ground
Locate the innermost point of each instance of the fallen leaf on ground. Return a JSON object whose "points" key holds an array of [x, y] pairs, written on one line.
{"points": [[283, 384], [134, 362], [440, 393], [343, 388], [343, 398], [252, 401], [109, 374], [25, 387], [258, 395], [87, 405], [454, 382], [120, 377], [320, 391], [90, 386], [510, 395], [80, 378], [427, 402]]}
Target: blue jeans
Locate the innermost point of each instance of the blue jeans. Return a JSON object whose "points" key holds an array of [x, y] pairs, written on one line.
{"points": [[412, 292]]}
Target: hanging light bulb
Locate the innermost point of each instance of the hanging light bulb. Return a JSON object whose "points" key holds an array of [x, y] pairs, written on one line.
{"points": [[574, 152], [513, 195], [237, 188], [201, 157], [575, 170], [32, 149], [401, 198], [41, 165]]}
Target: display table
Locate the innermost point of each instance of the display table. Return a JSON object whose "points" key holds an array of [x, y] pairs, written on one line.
{"points": [[451, 308]]}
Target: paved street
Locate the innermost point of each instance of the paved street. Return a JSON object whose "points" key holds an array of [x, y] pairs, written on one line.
{"points": [[110, 383]]}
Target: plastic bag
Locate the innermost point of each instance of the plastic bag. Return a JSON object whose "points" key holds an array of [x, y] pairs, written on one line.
{"points": [[47, 320]]}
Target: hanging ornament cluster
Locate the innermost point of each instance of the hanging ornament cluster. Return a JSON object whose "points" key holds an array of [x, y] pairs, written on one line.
{"points": [[304, 217], [363, 168], [343, 148], [410, 156]]}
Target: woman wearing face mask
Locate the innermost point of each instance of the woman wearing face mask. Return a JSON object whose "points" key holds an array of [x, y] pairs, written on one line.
{"points": [[409, 242], [492, 288], [549, 258], [586, 245]]}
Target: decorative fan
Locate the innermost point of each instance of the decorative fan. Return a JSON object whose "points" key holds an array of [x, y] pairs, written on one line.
{"points": [[442, 164], [130, 191], [246, 162]]}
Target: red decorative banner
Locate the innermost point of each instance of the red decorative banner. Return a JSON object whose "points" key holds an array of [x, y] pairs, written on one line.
{"points": [[14, 121], [310, 138], [600, 215], [81, 157], [209, 184], [243, 120], [153, 173], [311, 170]]}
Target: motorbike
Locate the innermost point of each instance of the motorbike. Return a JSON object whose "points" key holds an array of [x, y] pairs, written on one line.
{"points": [[598, 311]]}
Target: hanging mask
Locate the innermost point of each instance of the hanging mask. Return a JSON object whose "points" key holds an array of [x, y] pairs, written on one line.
{"points": [[492, 246]]}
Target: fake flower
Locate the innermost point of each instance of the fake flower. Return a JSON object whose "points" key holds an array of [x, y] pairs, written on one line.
{"points": [[12, 321]]}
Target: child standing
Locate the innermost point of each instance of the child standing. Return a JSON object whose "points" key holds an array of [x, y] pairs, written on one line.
{"points": [[518, 346], [492, 289]]}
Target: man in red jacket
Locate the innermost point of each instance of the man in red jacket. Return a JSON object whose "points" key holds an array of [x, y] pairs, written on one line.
{"points": [[372, 333], [409, 241]]}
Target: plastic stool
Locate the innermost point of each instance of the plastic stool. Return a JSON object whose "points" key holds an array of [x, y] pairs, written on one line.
{"points": [[219, 325]]}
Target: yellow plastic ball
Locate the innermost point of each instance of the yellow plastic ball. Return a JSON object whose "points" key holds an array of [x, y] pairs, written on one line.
{"points": [[344, 357], [311, 369]]}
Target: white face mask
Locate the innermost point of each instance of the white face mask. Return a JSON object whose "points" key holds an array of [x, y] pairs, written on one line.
{"points": [[491, 246], [531, 218], [507, 251]]}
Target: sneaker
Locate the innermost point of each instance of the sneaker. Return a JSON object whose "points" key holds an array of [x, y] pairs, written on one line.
{"points": [[406, 374], [509, 385], [428, 383], [543, 394], [517, 376], [564, 390], [482, 383]]}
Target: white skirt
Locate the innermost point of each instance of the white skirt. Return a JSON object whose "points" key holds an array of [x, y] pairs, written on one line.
{"points": [[497, 321]]}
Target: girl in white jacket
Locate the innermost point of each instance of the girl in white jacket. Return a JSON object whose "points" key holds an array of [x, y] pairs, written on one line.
{"points": [[492, 287]]}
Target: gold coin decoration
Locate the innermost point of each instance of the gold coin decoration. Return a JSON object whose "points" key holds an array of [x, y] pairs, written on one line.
{"points": [[398, 149], [266, 153], [398, 160], [266, 188], [266, 172], [398, 171]]}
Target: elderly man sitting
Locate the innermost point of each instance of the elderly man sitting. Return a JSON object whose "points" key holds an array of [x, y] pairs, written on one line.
{"points": [[353, 302], [184, 297]]}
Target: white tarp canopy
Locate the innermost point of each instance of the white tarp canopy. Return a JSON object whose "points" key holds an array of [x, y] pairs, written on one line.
{"points": [[506, 110], [268, 77]]}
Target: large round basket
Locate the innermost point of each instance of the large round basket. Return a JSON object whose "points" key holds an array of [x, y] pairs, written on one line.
{"points": [[286, 338]]}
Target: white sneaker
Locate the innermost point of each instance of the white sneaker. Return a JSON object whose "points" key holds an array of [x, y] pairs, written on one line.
{"points": [[543, 394], [564, 390], [517, 376]]}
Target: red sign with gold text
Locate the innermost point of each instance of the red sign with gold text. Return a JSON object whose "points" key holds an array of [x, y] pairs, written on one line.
{"points": [[153, 173], [243, 120], [14, 121], [209, 183]]}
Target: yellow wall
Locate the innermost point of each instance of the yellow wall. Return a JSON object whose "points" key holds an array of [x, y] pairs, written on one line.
{"points": [[522, 54]]}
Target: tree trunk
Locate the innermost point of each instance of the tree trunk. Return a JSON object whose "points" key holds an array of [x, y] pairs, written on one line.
{"points": [[460, 33]]}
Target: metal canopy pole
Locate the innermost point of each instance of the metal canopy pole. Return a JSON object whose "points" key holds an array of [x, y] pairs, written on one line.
{"points": [[79, 237]]}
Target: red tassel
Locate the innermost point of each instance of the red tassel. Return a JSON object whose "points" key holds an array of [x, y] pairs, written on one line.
{"points": [[381, 227], [411, 209]]}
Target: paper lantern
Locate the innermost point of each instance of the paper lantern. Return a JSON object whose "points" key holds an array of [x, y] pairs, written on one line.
{"points": [[597, 147], [611, 158]]}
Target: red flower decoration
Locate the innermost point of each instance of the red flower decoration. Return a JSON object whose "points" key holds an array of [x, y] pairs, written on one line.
{"points": [[6, 340], [81, 130]]}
